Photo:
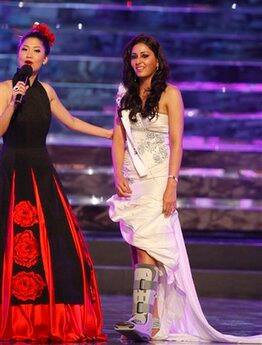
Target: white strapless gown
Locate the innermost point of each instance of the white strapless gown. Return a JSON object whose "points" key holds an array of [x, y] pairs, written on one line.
{"points": [[144, 226]]}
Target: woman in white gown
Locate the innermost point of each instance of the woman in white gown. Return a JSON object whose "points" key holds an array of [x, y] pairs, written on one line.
{"points": [[147, 152]]}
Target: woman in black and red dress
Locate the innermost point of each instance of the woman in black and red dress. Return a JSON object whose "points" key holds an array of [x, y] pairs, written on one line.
{"points": [[48, 288]]}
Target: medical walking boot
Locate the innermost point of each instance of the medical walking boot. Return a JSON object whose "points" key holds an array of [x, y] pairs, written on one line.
{"points": [[139, 326]]}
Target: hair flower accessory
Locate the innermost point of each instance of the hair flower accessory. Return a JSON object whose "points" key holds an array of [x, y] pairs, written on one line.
{"points": [[45, 31]]}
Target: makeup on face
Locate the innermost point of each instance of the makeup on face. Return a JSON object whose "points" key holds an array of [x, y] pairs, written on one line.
{"points": [[143, 60], [32, 52]]}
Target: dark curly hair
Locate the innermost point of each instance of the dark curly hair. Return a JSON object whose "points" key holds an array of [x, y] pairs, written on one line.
{"points": [[131, 100]]}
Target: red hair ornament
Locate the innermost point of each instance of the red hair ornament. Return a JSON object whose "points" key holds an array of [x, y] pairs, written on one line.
{"points": [[45, 31]]}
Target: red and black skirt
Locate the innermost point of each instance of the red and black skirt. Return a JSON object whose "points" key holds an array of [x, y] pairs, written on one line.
{"points": [[48, 288]]}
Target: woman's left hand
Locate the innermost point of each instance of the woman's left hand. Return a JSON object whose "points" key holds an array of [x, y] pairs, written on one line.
{"points": [[169, 200]]}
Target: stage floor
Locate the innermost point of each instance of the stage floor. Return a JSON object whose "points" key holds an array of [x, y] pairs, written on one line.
{"points": [[231, 316]]}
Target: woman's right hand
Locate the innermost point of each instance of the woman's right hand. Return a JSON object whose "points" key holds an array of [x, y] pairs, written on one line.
{"points": [[122, 186], [110, 134], [20, 88]]}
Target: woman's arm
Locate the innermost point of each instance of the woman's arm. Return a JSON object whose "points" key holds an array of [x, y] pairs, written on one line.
{"points": [[73, 123], [7, 102], [176, 126], [118, 152]]}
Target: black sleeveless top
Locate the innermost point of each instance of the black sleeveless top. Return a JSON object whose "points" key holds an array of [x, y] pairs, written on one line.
{"points": [[24, 142], [31, 120]]}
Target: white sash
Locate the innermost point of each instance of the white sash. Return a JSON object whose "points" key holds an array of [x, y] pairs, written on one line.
{"points": [[131, 145]]}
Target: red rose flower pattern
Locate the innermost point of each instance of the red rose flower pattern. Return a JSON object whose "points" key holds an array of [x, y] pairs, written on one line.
{"points": [[26, 249], [27, 285], [25, 214]]}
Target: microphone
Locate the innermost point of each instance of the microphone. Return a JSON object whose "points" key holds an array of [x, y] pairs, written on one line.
{"points": [[23, 74]]}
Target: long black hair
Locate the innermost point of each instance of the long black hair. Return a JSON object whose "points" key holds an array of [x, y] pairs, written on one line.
{"points": [[131, 100]]}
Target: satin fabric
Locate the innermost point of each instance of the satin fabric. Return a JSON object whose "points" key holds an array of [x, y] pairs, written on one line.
{"points": [[53, 321], [144, 226], [33, 322]]}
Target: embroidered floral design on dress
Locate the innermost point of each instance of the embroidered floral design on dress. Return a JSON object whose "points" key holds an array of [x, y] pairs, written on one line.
{"points": [[153, 143], [26, 250], [25, 214], [120, 93], [27, 285]]}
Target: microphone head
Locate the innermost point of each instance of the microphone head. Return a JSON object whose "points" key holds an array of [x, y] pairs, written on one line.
{"points": [[25, 71]]}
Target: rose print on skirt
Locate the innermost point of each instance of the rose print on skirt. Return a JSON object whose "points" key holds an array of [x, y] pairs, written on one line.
{"points": [[26, 249], [25, 214], [27, 285]]}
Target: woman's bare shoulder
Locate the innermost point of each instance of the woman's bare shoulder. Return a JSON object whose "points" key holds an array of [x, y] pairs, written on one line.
{"points": [[49, 90], [6, 85], [172, 94], [172, 90], [47, 86]]}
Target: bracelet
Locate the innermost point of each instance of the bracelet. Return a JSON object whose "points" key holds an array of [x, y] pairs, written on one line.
{"points": [[173, 177]]}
